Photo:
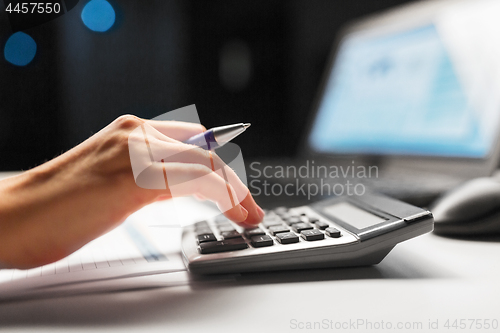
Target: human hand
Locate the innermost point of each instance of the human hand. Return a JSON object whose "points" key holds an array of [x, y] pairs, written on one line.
{"points": [[54, 209]]}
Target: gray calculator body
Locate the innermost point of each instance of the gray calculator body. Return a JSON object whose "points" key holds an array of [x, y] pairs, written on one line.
{"points": [[346, 231]]}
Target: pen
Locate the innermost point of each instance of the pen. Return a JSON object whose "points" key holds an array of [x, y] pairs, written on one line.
{"points": [[218, 136]]}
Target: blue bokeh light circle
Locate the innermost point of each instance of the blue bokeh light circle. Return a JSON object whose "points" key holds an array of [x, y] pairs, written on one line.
{"points": [[20, 49], [98, 15]]}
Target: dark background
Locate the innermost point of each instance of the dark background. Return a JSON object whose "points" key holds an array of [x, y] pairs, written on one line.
{"points": [[253, 61]]}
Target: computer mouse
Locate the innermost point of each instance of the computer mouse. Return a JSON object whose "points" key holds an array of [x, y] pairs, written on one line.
{"points": [[471, 209]]}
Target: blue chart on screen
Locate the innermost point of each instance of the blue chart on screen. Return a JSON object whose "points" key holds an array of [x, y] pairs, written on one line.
{"points": [[20, 49], [98, 15], [398, 93]]}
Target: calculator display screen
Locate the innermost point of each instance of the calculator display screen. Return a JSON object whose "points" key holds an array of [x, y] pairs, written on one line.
{"points": [[353, 215]]}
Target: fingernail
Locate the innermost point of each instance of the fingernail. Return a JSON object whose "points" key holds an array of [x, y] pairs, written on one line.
{"points": [[244, 212], [260, 212]]}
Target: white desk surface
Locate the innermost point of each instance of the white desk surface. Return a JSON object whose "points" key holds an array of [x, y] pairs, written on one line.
{"points": [[423, 280]]}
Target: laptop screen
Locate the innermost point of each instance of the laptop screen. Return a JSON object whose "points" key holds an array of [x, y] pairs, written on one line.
{"points": [[399, 94]]}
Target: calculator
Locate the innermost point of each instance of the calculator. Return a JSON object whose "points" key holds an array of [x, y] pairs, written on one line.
{"points": [[343, 231]]}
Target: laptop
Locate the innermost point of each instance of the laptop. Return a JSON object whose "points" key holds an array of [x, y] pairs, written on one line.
{"points": [[410, 94]]}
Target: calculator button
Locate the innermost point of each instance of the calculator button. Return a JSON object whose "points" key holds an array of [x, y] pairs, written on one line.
{"points": [[254, 232], [206, 238], [201, 224], [271, 223], [203, 231], [321, 225], [301, 226], [286, 216], [287, 238], [312, 235], [294, 219], [261, 241], [312, 219], [280, 210], [223, 246], [278, 229], [230, 234], [332, 232], [226, 228], [222, 223]]}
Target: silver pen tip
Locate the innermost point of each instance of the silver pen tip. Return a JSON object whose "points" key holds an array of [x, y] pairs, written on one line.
{"points": [[247, 125]]}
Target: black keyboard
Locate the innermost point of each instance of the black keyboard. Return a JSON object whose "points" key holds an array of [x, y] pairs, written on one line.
{"points": [[279, 227]]}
